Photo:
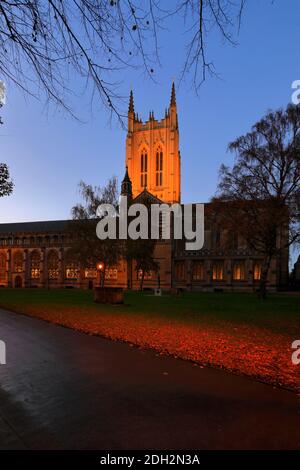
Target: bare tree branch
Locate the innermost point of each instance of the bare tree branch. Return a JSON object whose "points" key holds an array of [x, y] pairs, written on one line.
{"points": [[43, 42]]}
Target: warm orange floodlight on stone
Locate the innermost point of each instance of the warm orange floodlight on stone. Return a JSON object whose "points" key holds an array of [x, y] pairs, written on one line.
{"points": [[152, 153]]}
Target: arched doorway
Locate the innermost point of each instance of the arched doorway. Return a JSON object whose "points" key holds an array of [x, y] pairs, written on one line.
{"points": [[18, 282], [91, 284]]}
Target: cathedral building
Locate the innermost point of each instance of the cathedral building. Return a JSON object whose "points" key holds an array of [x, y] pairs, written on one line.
{"points": [[37, 254], [152, 153]]}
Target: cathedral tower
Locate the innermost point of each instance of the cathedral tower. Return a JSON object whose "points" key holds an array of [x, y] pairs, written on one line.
{"points": [[152, 153]]}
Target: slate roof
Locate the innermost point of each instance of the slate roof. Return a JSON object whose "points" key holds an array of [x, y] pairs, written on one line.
{"points": [[40, 226], [145, 196]]}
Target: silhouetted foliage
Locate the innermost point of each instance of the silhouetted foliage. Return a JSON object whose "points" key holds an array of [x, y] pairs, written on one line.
{"points": [[142, 253]]}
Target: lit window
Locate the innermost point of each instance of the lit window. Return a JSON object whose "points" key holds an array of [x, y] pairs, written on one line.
{"points": [[2, 261], [198, 271], [257, 271], [71, 266], [2, 267], [147, 275], [111, 273], [239, 271], [18, 262], [35, 265], [72, 271], [53, 265], [35, 273], [218, 271], [90, 273], [180, 270]]}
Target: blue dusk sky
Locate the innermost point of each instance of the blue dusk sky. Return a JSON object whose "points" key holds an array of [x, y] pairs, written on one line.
{"points": [[49, 152]]}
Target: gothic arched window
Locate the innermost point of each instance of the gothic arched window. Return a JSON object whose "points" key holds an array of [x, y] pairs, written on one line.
{"points": [[144, 168], [111, 273], [72, 269], [218, 271], [53, 265], [198, 271], [35, 265], [239, 271], [179, 270], [2, 267], [18, 262], [159, 167], [257, 271]]}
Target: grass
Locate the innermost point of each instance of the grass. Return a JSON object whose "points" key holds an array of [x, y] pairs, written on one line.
{"points": [[238, 332], [279, 313]]}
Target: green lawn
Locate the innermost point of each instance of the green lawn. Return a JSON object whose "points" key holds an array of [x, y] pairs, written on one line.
{"points": [[279, 313]]}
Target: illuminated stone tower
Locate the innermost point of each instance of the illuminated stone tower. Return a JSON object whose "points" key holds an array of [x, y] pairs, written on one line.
{"points": [[152, 153]]}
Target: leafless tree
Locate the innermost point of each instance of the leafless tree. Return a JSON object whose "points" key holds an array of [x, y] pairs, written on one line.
{"points": [[44, 43], [87, 249], [261, 191]]}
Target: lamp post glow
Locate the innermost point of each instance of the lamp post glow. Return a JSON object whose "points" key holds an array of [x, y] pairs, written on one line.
{"points": [[100, 269]]}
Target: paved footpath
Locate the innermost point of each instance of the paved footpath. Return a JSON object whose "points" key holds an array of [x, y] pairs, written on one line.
{"points": [[62, 389]]}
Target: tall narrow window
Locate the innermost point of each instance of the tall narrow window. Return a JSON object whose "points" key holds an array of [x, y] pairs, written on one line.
{"points": [[198, 271], [144, 168], [2, 267], [35, 265], [18, 262], [72, 269], [218, 271], [257, 271], [180, 270], [53, 265], [239, 271], [159, 167]]}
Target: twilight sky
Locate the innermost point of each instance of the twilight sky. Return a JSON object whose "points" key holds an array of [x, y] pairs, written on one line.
{"points": [[48, 152]]}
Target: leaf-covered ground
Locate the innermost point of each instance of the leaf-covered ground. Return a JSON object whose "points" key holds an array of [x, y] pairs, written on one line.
{"points": [[237, 332]]}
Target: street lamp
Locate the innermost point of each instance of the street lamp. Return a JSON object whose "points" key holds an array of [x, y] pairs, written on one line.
{"points": [[100, 268]]}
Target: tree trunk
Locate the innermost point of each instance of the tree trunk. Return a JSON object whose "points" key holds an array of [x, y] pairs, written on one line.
{"points": [[129, 267], [264, 278], [102, 277], [142, 281]]}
